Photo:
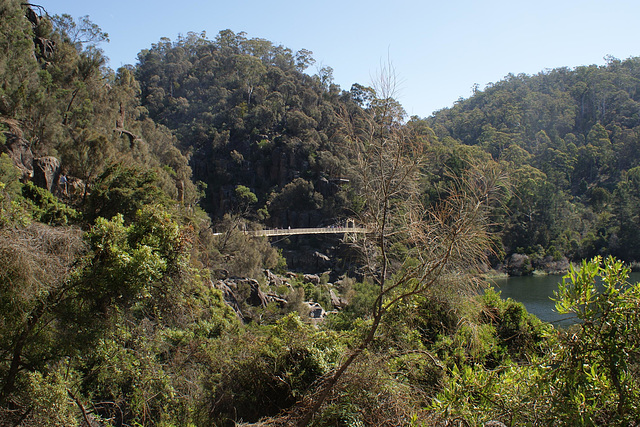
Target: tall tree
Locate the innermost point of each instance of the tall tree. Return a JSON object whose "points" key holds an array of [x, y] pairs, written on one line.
{"points": [[442, 241]]}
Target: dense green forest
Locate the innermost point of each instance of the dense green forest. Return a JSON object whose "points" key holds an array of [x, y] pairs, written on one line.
{"points": [[248, 115], [130, 293], [572, 138]]}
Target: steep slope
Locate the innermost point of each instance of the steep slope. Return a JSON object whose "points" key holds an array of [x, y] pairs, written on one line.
{"points": [[249, 116], [571, 137]]}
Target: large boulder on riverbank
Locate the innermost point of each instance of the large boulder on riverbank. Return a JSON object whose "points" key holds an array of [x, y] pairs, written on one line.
{"points": [[524, 265], [518, 265], [252, 302], [246, 298], [554, 266], [241, 294]]}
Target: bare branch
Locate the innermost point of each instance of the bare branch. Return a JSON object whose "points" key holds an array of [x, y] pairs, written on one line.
{"points": [[447, 239]]}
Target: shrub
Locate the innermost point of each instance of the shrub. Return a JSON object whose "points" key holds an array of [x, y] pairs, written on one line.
{"points": [[265, 370], [596, 367], [47, 208], [123, 190], [520, 334]]}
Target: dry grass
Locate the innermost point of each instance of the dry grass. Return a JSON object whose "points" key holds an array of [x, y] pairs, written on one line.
{"points": [[38, 256]]}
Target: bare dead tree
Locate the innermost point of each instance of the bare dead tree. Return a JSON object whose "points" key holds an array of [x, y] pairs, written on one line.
{"points": [[444, 241]]}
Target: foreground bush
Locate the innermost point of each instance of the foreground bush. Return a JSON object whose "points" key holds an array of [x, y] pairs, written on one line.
{"points": [[588, 376]]}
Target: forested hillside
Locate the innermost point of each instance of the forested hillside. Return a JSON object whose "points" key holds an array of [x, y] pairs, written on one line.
{"points": [[130, 293], [248, 115], [571, 138]]}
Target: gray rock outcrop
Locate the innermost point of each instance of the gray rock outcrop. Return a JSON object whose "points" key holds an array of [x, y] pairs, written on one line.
{"points": [[46, 171], [312, 278], [336, 301], [315, 310], [241, 294], [19, 150], [229, 297], [519, 265]]}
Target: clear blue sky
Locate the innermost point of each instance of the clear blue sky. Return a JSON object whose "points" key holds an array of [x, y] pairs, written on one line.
{"points": [[439, 49]]}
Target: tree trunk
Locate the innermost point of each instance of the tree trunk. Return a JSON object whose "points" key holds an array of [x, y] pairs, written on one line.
{"points": [[18, 347]]}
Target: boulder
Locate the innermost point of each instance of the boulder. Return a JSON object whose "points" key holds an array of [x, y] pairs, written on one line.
{"points": [[256, 298], [554, 266], [278, 300], [46, 171], [220, 273], [229, 297], [312, 278], [519, 265], [238, 292], [245, 290], [273, 280], [45, 46], [76, 187], [336, 301], [322, 261], [19, 150], [315, 310]]}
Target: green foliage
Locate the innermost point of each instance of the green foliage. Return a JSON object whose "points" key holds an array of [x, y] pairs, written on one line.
{"points": [[520, 334], [575, 129], [239, 253], [160, 308], [597, 364], [47, 397], [360, 297], [261, 123], [281, 264], [123, 190], [18, 65], [9, 176], [373, 394], [472, 344], [586, 375], [81, 33], [299, 195], [120, 323], [128, 261], [477, 395], [47, 208], [129, 369], [12, 210], [245, 195], [261, 373], [35, 262], [128, 324]]}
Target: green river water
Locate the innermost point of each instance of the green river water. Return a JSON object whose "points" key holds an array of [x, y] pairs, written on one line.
{"points": [[535, 292]]}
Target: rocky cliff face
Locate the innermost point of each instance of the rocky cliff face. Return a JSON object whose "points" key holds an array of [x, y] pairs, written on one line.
{"points": [[524, 265]]}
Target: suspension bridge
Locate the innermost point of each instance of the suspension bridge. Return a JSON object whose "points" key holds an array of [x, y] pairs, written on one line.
{"points": [[349, 228], [317, 230]]}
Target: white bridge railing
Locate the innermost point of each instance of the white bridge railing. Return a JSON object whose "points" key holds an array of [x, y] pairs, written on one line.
{"points": [[318, 230]]}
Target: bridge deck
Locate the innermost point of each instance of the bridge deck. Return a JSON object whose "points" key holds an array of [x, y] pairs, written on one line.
{"points": [[319, 230]]}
